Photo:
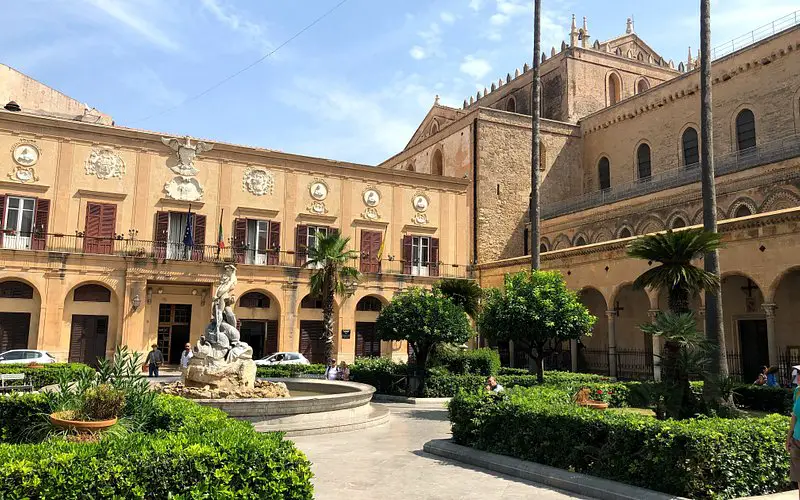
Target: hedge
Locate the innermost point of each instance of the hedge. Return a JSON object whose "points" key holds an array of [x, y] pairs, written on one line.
{"points": [[189, 452], [458, 361], [288, 371], [697, 458], [48, 374], [761, 398]]}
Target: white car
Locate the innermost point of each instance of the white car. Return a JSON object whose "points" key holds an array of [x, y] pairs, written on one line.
{"points": [[26, 356], [283, 358]]}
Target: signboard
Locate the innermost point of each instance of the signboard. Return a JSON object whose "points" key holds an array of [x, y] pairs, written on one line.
{"points": [[345, 334]]}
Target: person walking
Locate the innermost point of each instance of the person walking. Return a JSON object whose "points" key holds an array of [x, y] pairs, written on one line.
{"points": [[186, 355], [331, 372], [154, 360], [795, 376]]}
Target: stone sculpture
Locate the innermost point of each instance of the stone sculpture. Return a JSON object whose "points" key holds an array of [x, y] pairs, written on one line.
{"points": [[187, 152], [221, 360]]}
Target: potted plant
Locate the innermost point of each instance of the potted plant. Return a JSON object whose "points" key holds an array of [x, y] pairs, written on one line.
{"points": [[583, 398], [97, 409]]}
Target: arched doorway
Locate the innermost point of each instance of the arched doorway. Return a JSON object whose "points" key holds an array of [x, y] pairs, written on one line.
{"points": [[367, 342], [19, 319], [593, 350], [745, 326], [787, 342], [90, 309], [634, 350], [312, 329], [258, 314]]}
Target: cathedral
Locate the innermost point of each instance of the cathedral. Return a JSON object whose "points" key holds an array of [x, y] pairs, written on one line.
{"points": [[94, 250]]}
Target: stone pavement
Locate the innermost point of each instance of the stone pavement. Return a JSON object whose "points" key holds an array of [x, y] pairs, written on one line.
{"points": [[387, 462]]}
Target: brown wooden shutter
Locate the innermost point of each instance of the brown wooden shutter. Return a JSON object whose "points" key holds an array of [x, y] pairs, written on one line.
{"points": [[434, 261], [2, 217], [239, 239], [76, 339], [91, 232], [39, 240], [161, 234], [301, 248], [108, 227], [14, 329], [271, 343], [199, 250], [274, 244], [407, 251], [370, 246]]}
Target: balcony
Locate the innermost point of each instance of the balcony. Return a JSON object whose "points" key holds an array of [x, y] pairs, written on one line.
{"points": [[163, 252], [764, 154]]}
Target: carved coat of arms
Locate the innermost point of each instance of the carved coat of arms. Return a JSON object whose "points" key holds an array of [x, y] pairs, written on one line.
{"points": [[187, 152], [184, 189], [258, 181], [105, 163]]}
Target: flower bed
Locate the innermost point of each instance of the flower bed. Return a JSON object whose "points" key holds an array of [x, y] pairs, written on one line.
{"points": [[184, 450], [697, 458]]}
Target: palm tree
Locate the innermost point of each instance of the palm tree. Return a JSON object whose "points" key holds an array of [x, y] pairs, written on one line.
{"points": [[331, 276], [676, 274], [463, 293], [535, 136]]}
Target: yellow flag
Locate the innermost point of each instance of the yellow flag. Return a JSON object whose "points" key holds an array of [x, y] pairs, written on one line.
{"points": [[383, 242]]}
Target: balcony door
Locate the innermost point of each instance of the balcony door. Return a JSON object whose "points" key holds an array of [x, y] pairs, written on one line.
{"points": [[101, 223], [420, 255], [370, 251]]}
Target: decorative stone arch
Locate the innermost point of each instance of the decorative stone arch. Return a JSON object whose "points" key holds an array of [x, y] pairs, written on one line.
{"points": [[615, 291], [613, 87], [561, 242], [650, 224], [686, 126], [733, 128], [621, 232], [676, 216], [437, 161], [596, 168], [88, 320], [642, 85], [546, 242], [597, 303], [511, 105], [16, 304], [779, 199], [698, 215], [739, 205], [771, 291], [272, 312], [580, 239], [410, 166], [434, 127], [602, 234], [796, 110], [642, 142]]}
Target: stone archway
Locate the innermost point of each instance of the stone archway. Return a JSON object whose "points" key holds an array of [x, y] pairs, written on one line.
{"points": [[366, 314], [593, 350], [633, 350], [20, 305], [91, 309], [258, 312], [785, 343]]}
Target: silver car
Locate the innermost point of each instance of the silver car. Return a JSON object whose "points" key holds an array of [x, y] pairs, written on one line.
{"points": [[283, 358], [26, 356]]}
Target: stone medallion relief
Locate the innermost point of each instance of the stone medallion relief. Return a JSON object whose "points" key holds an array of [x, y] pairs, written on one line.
{"points": [[420, 202], [258, 181], [104, 163], [25, 155], [318, 190], [371, 198]]}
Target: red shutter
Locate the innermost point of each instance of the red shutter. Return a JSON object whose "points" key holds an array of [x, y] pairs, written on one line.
{"points": [[94, 212], [2, 217], [434, 263], [39, 240], [199, 250], [370, 246], [161, 234], [301, 248], [108, 227], [407, 251], [239, 239], [274, 244]]}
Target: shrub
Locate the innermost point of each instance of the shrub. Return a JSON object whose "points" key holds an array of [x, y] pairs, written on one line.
{"points": [[289, 371], [506, 370], [17, 412], [459, 361], [382, 373], [102, 402], [761, 398], [190, 452], [49, 374], [696, 458]]}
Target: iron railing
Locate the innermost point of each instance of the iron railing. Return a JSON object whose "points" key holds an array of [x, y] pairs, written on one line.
{"points": [[593, 361], [163, 251], [634, 364], [770, 152], [756, 35]]}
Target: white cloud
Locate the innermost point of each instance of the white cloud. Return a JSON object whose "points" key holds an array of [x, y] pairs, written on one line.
{"points": [[122, 13], [476, 5], [498, 19], [447, 17], [417, 52], [475, 67], [431, 44], [237, 22]]}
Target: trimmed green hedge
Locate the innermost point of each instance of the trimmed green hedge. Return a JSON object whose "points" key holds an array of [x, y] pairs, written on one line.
{"points": [[458, 361], [289, 371], [761, 398], [48, 374], [189, 451], [698, 458]]}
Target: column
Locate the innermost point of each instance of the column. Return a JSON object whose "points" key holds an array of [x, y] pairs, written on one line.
{"points": [[511, 354], [652, 313], [573, 354], [769, 309], [612, 343]]}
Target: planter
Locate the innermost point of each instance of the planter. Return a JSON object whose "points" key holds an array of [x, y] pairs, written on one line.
{"points": [[597, 405], [62, 420]]}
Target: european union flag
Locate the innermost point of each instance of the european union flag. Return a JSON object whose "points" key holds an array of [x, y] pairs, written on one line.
{"points": [[188, 234]]}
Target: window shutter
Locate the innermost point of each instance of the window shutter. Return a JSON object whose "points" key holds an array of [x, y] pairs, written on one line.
{"points": [[301, 248], [271, 342], [239, 239], [39, 240], [2, 216], [199, 250], [407, 254], [434, 261], [274, 244], [91, 232], [161, 234], [76, 339]]}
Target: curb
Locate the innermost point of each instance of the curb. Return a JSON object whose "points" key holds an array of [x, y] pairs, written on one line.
{"points": [[543, 474], [385, 398]]}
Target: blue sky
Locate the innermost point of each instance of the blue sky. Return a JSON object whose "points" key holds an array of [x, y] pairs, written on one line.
{"points": [[354, 87]]}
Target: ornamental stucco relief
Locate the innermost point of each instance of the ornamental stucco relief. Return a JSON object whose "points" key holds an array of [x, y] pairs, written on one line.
{"points": [[258, 181], [104, 163]]}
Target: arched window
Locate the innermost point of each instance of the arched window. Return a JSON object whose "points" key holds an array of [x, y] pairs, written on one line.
{"points": [[691, 149], [746, 130], [15, 290], [254, 300], [410, 166], [625, 233], [91, 293], [742, 211], [643, 161], [604, 173], [434, 127], [310, 302], [369, 304], [678, 223], [437, 163], [614, 89], [511, 105], [580, 241], [642, 86], [542, 248]]}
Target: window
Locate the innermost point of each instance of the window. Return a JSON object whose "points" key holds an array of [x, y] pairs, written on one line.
{"points": [[101, 219], [434, 127], [437, 163], [542, 248], [642, 86], [625, 233], [614, 89], [257, 238], [643, 161], [306, 238], [420, 255], [742, 211], [604, 173], [746, 130], [254, 300], [310, 302], [678, 223], [15, 290], [511, 105], [580, 241], [18, 222], [92, 293], [369, 304], [183, 313], [172, 229], [691, 150]]}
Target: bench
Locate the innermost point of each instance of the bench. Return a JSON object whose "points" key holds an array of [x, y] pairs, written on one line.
{"points": [[13, 377]]}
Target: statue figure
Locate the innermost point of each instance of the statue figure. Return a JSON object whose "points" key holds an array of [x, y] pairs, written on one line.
{"points": [[187, 152]]}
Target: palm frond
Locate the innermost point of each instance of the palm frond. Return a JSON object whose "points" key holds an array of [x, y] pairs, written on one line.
{"points": [[329, 259]]}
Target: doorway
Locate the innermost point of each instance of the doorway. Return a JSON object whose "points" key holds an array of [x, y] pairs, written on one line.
{"points": [[261, 335], [174, 322], [87, 341], [754, 349], [367, 343], [14, 328], [312, 342]]}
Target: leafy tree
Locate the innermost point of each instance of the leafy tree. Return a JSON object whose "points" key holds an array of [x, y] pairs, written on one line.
{"points": [[676, 274], [464, 293], [331, 276], [423, 318], [534, 310]]}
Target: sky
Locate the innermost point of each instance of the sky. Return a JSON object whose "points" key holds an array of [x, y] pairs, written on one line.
{"points": [[353, 87]]}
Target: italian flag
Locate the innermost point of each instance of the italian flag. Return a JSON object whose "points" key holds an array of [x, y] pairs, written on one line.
{"points": [[220, 238]]}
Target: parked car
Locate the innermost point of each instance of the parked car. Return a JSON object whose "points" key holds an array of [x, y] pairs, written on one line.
{"points": [[283, 358], [26, 356]]}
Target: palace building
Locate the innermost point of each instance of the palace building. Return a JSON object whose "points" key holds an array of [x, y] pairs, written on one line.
{"points": [[117, 236]]}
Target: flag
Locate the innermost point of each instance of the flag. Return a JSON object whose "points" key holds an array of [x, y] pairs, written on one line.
{"points": [[220, 238], [380, 249], [188, 234]]}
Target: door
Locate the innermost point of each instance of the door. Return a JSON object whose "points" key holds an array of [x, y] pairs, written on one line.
{"points": [[312, 343], [370, 251], [754, 349], [179, 338], [367, 343], [14, 328], [420, 253], [19, 220], [174, 325], [254, 333], [88, 336], [100, 228]]}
